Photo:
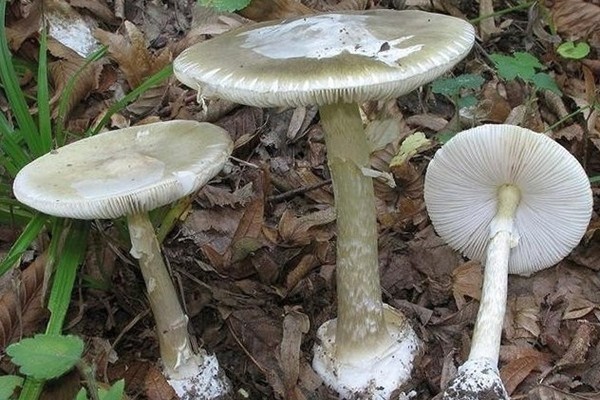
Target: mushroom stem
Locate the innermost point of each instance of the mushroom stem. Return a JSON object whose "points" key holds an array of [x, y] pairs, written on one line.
{"points": [[171, 321], [360, 322], [490, 318]]}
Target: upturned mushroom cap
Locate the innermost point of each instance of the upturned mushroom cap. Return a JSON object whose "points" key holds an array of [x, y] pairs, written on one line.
{"points": [[461, 186], [323, 59], [124, 171]]}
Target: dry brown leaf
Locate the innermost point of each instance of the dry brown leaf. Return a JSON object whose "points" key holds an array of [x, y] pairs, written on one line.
{"points": [[578, 349], [298, 230], [518, 369], [266, 10], [467, 279], [295, 325], [132, 55], [98, 8], [143, 377], [487, 26], [21, 307], [65, 68], [24, 28], [525, 314], [577, 19], [218, 196], [545, 392], [259, 335]]}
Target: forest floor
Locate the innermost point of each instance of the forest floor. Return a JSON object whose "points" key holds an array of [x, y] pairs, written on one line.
{"points": [[254, 255]]}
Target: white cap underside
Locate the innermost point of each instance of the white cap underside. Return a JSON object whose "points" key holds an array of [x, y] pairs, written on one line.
{"points": [[426, 44], [462, 182], [124, 171]]}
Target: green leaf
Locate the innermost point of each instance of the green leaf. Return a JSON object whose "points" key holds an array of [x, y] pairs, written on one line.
{"points": [[575, 51], [225, 5], [453, 86], [46, 356], [542, 80], [522, 65], [467, 101], [82, 394], [8, 384], [116, 391]]}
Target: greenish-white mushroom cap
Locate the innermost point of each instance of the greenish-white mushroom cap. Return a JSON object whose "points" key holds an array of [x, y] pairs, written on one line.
{"points": [[461, 188], [347, 57], [125, 171]]}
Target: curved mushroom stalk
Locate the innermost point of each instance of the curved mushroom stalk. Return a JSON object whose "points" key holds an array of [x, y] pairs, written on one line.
{"points": [[478, 377], [188, 372]]}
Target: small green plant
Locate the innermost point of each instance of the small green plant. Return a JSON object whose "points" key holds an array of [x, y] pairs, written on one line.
{"points": [[49, 356], [459, 89], [225, 5], [574, 51], [525, 67], [46, 356]]}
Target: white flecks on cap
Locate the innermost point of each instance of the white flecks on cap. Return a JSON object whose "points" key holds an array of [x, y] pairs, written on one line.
{"points": [[124, 171], [462, 182], [328, 58]]}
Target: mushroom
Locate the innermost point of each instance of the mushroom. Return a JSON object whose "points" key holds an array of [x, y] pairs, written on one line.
{"points": [[336, 61], [519, 202], [129, 172]]}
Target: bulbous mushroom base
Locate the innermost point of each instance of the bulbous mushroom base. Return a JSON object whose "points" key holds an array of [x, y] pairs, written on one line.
{"points": [[377, 372], [476, 379], [200, 378]]}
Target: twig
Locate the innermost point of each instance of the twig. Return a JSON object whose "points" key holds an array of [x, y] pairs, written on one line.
{"points": [[294, 192]]}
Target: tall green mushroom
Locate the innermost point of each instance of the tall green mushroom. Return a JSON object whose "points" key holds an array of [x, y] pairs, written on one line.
{"points": [[515, 200], [337, 61], [128, 172]]}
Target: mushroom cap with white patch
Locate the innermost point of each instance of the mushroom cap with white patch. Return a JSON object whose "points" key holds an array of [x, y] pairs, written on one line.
{"points": [[124, 171], [461, 187], [346, 57]]}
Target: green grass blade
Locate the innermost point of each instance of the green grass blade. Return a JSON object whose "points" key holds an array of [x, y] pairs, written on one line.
{"points": [[13, 90], [71, 255], [63, 102], [16, 158], [31, 231], [155, 79], [43, 97]]}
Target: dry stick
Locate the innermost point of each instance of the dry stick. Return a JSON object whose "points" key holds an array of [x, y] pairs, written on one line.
{"points": [[294, 192]]}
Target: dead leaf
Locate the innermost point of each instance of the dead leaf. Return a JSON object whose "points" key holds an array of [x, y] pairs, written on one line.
{"points": [[131, 53], [266, 10], [298, 230], [64, 69], [24, 28], [577, 19], [467, 279], [295, 325], [518, 369], [21, 309], [578, 349]]}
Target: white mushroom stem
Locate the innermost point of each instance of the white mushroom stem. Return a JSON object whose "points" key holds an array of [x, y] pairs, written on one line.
{"points": [[361, 326], [192, 375], [490, 318], [171, 321]]}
